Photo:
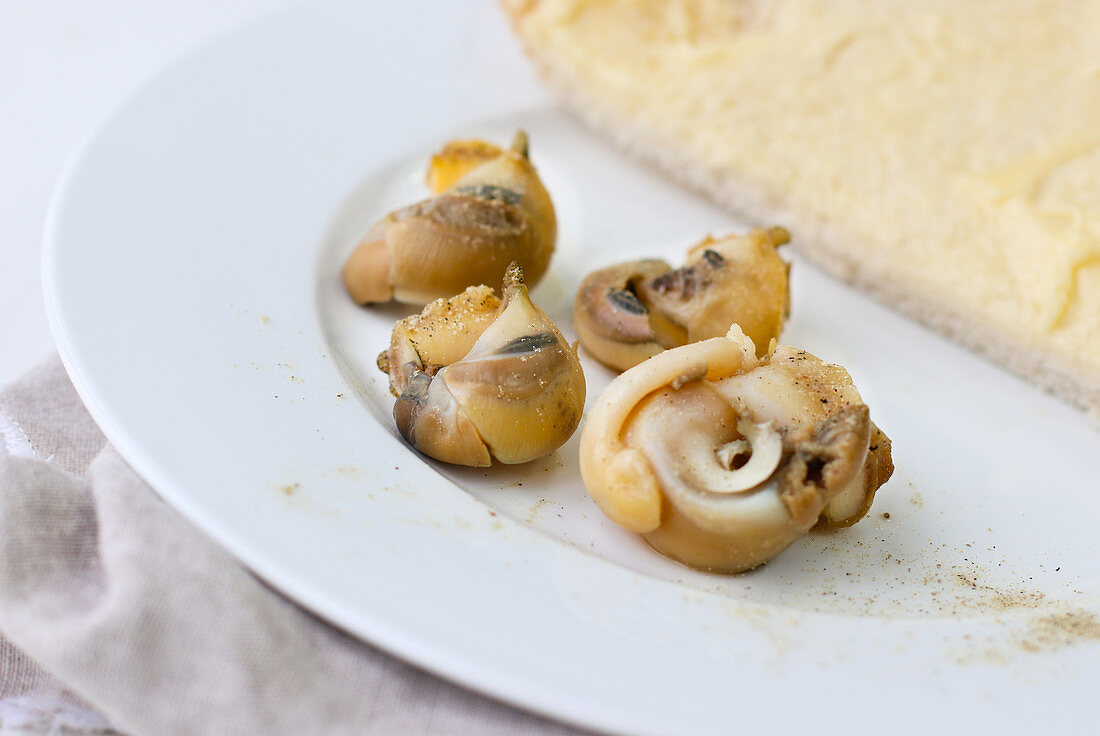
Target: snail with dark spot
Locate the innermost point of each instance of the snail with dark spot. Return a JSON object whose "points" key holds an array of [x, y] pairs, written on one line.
{"points": [[721, 459], [632, 311], [479, 377], [489, 208]]}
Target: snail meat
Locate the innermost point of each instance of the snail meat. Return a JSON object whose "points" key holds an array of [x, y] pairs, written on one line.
{"points": [[721, 459], [488, 208], [628, 312], [477, 378]]}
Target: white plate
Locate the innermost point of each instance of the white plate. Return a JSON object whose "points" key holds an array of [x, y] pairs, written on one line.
{"points": [[191, 263]]}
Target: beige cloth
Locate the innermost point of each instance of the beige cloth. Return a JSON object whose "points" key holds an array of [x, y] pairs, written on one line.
{"points": [[119, 600]]}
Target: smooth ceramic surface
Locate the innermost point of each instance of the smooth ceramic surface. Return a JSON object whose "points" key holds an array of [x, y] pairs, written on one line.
{"points": [[192, 270]]}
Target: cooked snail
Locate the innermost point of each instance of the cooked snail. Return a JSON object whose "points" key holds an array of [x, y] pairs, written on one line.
{"points": [[628, 312], [489, 209], [722, 459], [479, 377]]}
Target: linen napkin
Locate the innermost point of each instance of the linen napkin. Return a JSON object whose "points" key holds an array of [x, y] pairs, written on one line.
{"points": [[117, 617]]}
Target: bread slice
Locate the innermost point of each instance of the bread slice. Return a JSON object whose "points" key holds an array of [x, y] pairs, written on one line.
{"points": [[943, 155]]}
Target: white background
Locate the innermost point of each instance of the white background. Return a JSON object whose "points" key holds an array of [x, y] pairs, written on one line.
{"points": [[64, 65]]}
